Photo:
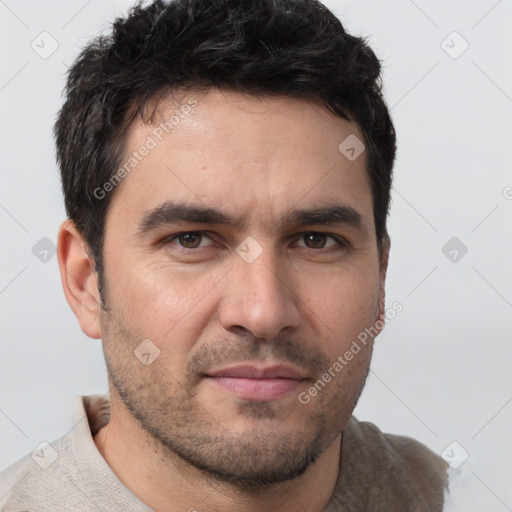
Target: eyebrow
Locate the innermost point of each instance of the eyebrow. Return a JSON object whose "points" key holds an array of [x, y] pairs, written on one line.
{"points": [[174, 212]]}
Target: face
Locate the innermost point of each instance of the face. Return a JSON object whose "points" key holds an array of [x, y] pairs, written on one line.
{"points": [[240, 263]]}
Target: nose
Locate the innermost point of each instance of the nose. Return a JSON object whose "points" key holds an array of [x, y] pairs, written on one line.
{"points": [[259, 299]]}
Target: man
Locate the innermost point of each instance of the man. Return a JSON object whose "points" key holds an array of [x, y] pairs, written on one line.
{"points": [[226, 168]]}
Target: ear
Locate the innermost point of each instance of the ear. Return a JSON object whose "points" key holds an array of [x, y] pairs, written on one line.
{"points": [[383, 268], [79, 279]]}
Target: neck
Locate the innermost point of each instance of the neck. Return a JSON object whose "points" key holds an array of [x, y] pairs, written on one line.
{"points": [[166, 483]]}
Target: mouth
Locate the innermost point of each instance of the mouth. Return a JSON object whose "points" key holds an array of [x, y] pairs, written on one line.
{"points": [[257, 383]]}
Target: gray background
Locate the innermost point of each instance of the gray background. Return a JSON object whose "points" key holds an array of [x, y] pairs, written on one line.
{"points": [[441, 369]]}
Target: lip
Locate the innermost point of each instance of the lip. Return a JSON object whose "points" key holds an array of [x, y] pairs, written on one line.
{"points": [[257, 383], [251, 371]]}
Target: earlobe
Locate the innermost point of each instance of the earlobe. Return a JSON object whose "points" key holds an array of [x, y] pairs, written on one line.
{"points": [[79, 280]]}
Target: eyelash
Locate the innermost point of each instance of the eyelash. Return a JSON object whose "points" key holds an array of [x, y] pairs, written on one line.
{"points": [[341, 243]]}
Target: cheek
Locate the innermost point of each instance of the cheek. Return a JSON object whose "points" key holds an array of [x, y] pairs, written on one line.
{"points": [[341, 305], [162, 299]]}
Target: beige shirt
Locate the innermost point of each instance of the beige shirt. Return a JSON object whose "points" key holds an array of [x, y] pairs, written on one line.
{"points": [[378, 473]]}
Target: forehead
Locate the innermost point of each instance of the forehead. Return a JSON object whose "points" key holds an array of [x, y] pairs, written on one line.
{"points": [[244, 117], [257, 156]]}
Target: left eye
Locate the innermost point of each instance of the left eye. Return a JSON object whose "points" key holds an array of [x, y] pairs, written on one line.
{"points": [[318, 240], [190, 240]]}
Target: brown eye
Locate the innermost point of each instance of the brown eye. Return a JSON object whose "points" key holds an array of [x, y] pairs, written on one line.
{"points": [[190, 240], [316, 240]]}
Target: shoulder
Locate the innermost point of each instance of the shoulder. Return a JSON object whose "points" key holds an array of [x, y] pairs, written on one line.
{"points": [[28, 481], [399, 449], [403, 469]]}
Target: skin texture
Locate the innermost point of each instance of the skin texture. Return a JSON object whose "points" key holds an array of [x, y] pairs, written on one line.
{"points": [[176, 438]]}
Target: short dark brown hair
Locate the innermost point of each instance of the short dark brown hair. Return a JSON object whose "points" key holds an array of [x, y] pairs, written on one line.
{"points": [[294, 48]]}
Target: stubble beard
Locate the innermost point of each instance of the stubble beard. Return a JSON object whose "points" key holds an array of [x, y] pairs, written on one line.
{"points": [[268, 452]]}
